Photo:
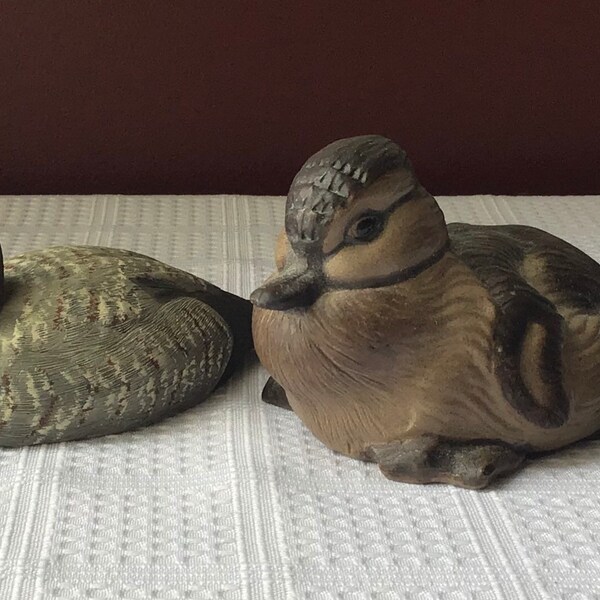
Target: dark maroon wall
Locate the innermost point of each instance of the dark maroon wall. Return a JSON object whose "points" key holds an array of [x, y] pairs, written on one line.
{"points": [[192, 96]]}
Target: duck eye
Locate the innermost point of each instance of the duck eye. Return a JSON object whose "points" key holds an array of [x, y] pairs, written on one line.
{"points": [[366, 228]]}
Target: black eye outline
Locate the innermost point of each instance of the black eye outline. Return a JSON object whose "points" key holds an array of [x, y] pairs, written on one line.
{"points": [[366, 227]]}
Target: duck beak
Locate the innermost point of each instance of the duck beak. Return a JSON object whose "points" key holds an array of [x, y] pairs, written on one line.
{"points": [[287, 289]]}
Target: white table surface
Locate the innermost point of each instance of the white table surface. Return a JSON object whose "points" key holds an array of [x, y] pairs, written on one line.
{"points": [[235, 499]]}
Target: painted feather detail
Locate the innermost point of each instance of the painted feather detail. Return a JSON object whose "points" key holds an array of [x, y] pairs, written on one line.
{"points": [[95, 341]]}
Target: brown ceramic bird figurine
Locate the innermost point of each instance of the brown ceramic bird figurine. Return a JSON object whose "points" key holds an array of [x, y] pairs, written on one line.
{"points": [[96, 341], [444, 353]]}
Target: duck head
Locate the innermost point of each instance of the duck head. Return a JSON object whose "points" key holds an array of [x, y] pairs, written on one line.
{"points": [[356, 217]]}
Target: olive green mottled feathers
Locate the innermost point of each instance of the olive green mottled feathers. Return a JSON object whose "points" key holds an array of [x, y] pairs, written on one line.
{"points": [[95, 341]]}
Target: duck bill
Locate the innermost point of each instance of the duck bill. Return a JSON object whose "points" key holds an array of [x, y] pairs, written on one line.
{"points": [[287, 290]]}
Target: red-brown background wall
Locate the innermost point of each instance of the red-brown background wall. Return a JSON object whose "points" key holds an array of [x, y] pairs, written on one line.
{"points": [[190, 96]]}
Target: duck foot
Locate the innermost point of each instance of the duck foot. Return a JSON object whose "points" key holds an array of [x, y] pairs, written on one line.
{"points": [[274, 394], [430, 459]]}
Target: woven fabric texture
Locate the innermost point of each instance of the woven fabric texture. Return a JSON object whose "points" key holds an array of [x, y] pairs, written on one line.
{"points": [[235, 499]]}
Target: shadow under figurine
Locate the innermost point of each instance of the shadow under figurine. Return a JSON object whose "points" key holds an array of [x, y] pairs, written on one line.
{"points": [[444, 353], [97, 341]]}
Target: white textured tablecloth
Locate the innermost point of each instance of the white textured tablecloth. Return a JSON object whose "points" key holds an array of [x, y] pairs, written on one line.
{"points": [[235, 499]]}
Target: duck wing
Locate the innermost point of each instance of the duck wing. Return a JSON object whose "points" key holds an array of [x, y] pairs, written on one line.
{"points": [[529, 330], [236, 312]]}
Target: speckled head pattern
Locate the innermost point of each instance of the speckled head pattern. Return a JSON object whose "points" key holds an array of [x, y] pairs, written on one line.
{"points": [[330, 179]]}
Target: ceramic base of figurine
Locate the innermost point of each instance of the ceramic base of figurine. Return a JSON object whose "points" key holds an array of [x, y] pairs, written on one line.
{"points": [[274, 394], [431, 459]]}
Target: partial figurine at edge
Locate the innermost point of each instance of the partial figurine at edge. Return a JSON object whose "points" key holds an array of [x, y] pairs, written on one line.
{"points": [[444, 353], [97, 341]]}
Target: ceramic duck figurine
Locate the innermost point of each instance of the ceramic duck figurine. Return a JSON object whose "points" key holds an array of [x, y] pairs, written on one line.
{"points": [[96, 341], [445, 353]]}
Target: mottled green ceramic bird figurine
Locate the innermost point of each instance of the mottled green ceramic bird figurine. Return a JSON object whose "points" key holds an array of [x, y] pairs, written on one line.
{"points": [[444, 353], [96, 341]]}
